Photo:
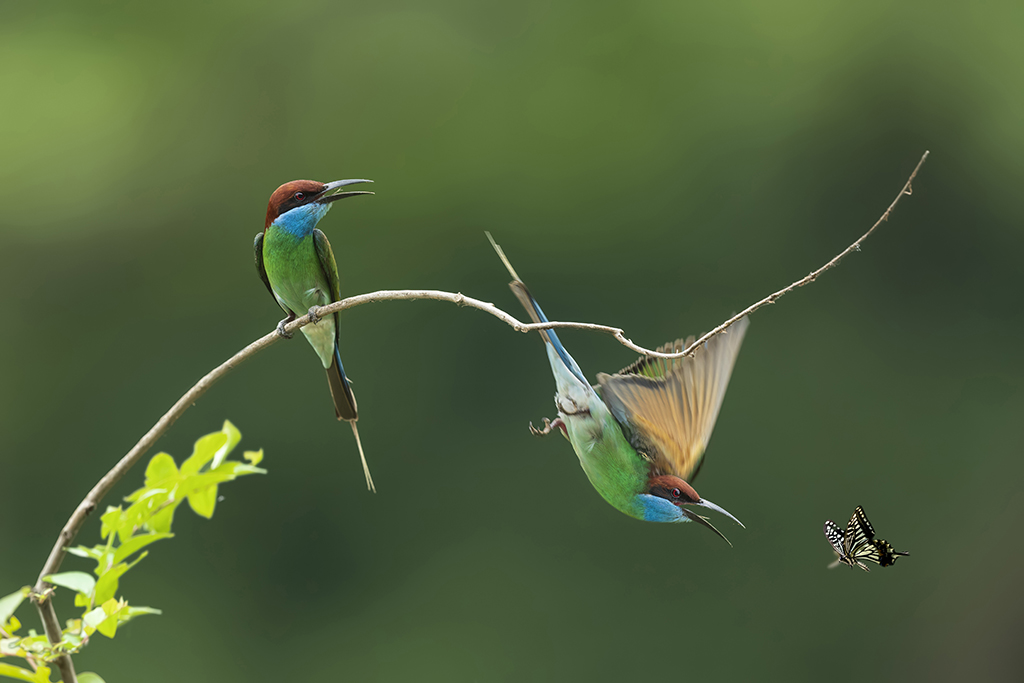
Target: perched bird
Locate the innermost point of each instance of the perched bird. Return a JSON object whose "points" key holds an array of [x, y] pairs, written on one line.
{"points": [[858, 543], [296, 263], [640, 434]]}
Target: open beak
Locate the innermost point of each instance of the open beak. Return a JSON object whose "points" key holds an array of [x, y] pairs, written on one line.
{"points": [[694, 517], [703, 521], [327, 197], [711, 506]]}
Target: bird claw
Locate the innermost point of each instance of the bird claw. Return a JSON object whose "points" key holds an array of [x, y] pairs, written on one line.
{"points": [[548, 425], [312, 315], [280, 328]]}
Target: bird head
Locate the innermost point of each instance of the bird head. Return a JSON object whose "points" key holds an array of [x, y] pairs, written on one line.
{"points": [[671, 499], [312, 196]]}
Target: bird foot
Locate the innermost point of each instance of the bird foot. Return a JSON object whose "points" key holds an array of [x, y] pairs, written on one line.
{"points": [[312, 315], [548, 425], [280, 327]]}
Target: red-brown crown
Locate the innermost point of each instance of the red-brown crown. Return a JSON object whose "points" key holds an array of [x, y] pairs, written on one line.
{"points": [[672, 489], [290, 195]]}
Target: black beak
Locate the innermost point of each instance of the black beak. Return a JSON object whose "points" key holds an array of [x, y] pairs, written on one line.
{"points": [[694, 517], [326, 197]]}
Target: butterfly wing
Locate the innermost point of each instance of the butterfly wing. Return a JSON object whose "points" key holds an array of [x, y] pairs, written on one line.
{"points": [[858, 532], [835, 536]]}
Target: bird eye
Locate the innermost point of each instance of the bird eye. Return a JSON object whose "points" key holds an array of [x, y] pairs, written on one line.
{"points": [[299, 196], [676, 493]]}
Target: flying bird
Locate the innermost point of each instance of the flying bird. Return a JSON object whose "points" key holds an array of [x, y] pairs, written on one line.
{"points": [[641, 433], [858, 543], [296, 263]]}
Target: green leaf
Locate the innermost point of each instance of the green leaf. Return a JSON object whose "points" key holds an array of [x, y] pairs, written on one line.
{"points": [[106, 587], [93, 553], [9, 603], [136, 543], [12, 625], [204, 501], [161, 521], [80, 582], [151, 502], [254, 457], [233, 437], [132, 612], [40, 675], [93, 618], [112, 521], [203, 452], [159, 469], [108, 626], [89, 677]]}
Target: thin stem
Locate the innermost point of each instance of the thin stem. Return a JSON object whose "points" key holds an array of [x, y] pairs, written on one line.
{"points": [[811, 277], [100, 490]]}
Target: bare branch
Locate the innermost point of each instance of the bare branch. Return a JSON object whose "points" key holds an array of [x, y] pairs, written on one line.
{"points": [[811, 277], [100, 490]]}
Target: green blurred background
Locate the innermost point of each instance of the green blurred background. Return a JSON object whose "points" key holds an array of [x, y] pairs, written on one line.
{"points": [[652, 165]]}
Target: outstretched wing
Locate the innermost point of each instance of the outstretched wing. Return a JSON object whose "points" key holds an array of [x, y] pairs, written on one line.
{"points": [[861, 543], [835, 536], [669, 406], [859, 532]]}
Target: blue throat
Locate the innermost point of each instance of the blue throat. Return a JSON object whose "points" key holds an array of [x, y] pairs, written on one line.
{"points": [[300, 221], [656, 509]]}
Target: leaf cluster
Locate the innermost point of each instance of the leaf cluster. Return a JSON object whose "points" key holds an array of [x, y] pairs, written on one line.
{"points": [[126, 532]]}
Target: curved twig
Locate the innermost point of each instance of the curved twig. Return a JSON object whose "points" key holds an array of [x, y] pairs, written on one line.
{"points": [[810, 277], [100, 490]]}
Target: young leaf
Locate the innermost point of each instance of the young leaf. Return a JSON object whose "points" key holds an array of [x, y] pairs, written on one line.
{"points": [[203, 452], [106, 587], [93, 553], [9, 603], [108, 626], [12, 624], [161, 522], [80, 582], [233, 437], [129, 612], [40, 675], [136, 543], [149, 503], [204, 501], [92, 619], [159, 469], [111, 521], [89, 677], [254, 457]]}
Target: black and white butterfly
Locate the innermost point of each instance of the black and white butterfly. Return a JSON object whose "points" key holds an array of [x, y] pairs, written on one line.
{"points": [[858, 543]]}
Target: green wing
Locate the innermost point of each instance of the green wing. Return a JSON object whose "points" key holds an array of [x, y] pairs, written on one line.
{"points": [[261, 269], [668, 407], [325, 255]]}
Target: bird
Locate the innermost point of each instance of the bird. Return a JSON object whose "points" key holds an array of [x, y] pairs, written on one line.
{"points": [[858, 543], [640, 434], [296, 263]]}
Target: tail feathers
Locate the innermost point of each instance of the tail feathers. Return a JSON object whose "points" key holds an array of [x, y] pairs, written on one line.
{"points": [[533, 309], [549, 336], [344, 400], [345, 408], [362, 458]]}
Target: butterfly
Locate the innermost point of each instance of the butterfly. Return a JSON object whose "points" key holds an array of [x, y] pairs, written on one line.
{"points": [[858, 543]]}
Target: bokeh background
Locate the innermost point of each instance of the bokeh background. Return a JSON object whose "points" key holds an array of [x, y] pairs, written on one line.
{"points": [[653, 165]]}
